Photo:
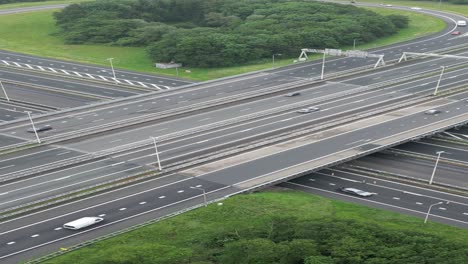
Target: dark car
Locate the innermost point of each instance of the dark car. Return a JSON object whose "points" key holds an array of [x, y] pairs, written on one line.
{"points": [[293, 94], [455, 33], [356, 192], [40, 129]]}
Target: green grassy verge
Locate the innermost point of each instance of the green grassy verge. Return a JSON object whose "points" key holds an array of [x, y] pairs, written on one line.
{"points": [[28, 4], [194, 231], [33, 34]]}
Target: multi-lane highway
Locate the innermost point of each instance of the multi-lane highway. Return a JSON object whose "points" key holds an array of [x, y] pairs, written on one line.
{"points": [[245, 119]]}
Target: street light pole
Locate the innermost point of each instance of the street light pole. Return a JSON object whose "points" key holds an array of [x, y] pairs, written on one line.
{"points": [[34, 128], [204, 194], [157, 153], [277, 54], [323, 66], [438, 82], [429, 211], [435, 166], [112, 67], [354, 44], [4, 91]]}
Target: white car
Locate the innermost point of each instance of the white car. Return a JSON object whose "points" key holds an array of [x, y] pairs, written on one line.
{"points": [[308, 110], [432, 112], [356, 192]]}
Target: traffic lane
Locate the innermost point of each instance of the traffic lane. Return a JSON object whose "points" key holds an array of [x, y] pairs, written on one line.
{"points": [[452, 154], [6, 140], [30, 158], [66, 181], [214, 140], [142, 107], [406, 69], [393, 197], [44, 96], [415, 168], [30, 9], [72, 85], [442, 213], [413, 88], [93, 69], [351, 176], [360, 139], [112, 211], [200, 120], [437, 141], [10, 113], [338, 107]]}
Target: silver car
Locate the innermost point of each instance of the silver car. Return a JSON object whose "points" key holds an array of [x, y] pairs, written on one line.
{"points": [[308, 110], [356, 192]]}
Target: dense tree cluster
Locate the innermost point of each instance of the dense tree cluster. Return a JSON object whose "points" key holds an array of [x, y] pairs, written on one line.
{"points": [[212, 33], [287, 240]]}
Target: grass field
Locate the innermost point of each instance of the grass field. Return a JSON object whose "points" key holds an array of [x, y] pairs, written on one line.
{"points": [[193, 230], [33, 33], [28, 4]]}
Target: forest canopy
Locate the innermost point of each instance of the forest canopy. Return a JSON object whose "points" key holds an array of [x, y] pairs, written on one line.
{"points": [[214, 33]]}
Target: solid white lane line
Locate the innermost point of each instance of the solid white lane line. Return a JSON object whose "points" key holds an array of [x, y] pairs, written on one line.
{"points": [[63, 153], [9, 166], [118, 163], [4, 193]]}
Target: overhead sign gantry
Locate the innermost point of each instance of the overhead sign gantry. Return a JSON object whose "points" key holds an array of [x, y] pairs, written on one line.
{"points": [[338, 52]]}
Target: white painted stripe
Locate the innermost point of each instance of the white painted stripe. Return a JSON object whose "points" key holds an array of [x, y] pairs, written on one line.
{"points": [[142, 84], [6, 62], [58, 228], [63, 153], [64, 71], [36, 235], [4, 193], [129, 82], [102, 215], [90, 76], [40, 68], [162, 197], [418, 203], [29, 66], [396, 198], [181, 191], [332, 184], [102, 77], [118, 163], [142, 203], [155, 86], [122, 209], [11, 243], [52, 69], [465, 213], [17, 64], [9, 166], [77, 73]]}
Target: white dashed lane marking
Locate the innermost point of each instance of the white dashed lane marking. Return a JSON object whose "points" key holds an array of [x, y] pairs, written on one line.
{"points": [[162, 197]]}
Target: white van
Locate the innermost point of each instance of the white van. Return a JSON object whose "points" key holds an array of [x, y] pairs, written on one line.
{"points": [[82, 222], [461, 23]]}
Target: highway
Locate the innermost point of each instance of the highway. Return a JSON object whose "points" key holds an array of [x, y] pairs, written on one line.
{"points": [[390, 195], [189, 145], [243, 172], [274, 143]]}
